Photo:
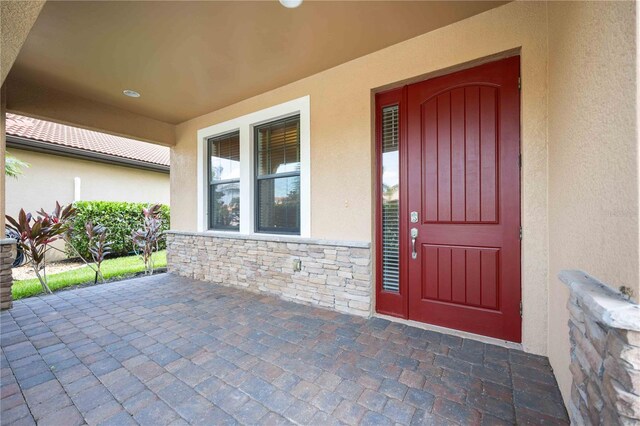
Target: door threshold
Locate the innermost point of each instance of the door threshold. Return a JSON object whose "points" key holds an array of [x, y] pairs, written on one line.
{"points": [[453, 332]]}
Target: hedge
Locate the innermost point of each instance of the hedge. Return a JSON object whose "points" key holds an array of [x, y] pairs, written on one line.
{"points": [[118, 217]]}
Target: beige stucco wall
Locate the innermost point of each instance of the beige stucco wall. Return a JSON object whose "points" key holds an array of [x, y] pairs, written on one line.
{"points": [[50, 178], [16, 20], [593, 155], [341, 135], [3, 148]]}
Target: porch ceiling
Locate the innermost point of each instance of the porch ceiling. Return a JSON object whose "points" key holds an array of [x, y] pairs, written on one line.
{"points": [[189, 58]]}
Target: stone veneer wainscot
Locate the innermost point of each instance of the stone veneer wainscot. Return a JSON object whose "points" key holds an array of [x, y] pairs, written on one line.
{"points": [[334, 274], [7, 247], [605, 353]]}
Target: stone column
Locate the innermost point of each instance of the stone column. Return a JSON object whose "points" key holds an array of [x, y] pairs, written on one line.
{"points": [[7, 247], [605, 353]]}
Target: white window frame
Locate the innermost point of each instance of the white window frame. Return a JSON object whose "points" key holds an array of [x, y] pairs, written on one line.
{"points": [[245, 126]]}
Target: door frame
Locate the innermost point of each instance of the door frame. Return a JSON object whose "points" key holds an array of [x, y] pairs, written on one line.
{"points": [[389, 303], [397, 304]]}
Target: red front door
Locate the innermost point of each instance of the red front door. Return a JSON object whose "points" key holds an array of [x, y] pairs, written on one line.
{"points": [[460, 201]]}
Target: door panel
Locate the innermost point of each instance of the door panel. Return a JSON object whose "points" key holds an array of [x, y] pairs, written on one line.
{"points": [[460, 275], [459, 156], [463, 180]]}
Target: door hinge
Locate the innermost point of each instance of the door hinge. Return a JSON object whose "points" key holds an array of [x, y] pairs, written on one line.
{"points": [[519, 83], [521, 232], [520, 160], [520, 309]]}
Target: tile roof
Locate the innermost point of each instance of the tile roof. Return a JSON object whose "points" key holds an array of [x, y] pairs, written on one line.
{"points": [[74, 137]]}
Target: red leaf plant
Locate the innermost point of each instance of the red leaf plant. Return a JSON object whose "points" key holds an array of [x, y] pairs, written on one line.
{"points": [[146, 239], [37, 234], [99, 247]]}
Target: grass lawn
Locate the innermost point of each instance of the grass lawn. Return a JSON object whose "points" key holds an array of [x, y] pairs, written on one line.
{"points": [[111, 268]]}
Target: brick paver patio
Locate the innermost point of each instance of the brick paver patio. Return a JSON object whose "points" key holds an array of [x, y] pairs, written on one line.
{"points": [[168, 350]]}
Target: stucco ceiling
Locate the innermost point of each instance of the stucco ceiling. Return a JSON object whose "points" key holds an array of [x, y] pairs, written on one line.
{"points": [[190, 58]]}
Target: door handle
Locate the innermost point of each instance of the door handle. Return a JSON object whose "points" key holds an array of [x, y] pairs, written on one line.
{"points": [[414, 235]]}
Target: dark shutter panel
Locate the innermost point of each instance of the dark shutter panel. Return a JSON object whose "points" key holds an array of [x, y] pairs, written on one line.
{"points": [[390, 200]]}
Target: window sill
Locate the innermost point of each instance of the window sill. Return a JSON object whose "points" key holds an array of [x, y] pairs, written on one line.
{"points": [[295, 239]]}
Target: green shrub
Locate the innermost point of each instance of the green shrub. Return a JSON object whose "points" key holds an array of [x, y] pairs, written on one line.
{"points": [[119, 218]]}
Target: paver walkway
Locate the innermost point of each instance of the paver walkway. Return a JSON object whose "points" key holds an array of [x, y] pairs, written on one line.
{"points": [[168, 350]]}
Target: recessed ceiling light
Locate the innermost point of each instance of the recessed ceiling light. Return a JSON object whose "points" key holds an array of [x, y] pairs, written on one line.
{"points": [[131, 93], [291, 4]]}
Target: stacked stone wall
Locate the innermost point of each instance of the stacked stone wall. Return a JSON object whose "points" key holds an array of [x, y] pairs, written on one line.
{"points": [[604, 329], [7, 248], [332, 274]]}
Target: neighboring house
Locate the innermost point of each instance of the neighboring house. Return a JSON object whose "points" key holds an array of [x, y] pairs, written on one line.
{"points": [[444, 176], [69, 164]]}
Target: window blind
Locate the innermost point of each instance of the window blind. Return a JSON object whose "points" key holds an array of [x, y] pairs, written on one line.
{"points": [[224, 182], [278, 176], [224, 152], [279, 147], [390, 199]]}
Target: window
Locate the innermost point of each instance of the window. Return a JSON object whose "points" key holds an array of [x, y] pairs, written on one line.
{"points": [[254, 172], [278, 176], [224, 182], [390, 207]]}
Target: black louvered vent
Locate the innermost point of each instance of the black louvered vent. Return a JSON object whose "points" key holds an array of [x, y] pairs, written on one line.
{"points": [[390, 200]]}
